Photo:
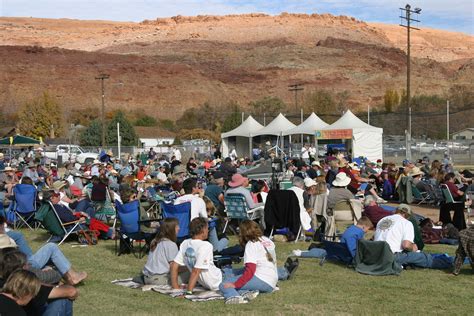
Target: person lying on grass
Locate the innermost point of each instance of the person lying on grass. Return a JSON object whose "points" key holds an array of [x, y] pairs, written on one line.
{"points": [[50, 300], [49, 253], [163, 250], [260, 273], [197, 255], [350, 238]]}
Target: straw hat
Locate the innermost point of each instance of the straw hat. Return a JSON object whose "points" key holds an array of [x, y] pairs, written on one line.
{"points": [[237, 180], [6, 242], [8, 169], [58, 185], [415, 172], [308, 182], [109, 153], [96, 162], [341, 180], [179, 169]]}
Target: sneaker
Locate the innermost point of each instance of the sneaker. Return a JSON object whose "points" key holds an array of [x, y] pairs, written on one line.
{"points": [[296, 253], [236, 300], [250, 295], [381, 201], [292, 269]]}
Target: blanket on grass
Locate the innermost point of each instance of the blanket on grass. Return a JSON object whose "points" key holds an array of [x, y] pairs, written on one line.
{"points": [[200, 294]]}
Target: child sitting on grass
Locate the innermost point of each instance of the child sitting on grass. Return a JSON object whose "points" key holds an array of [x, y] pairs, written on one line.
{"points": [[350, 237]]}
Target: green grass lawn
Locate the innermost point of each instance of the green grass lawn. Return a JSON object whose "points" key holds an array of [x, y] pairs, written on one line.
{"points": [[331, 289]]}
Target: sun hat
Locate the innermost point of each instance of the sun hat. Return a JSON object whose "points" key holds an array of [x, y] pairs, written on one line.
{"points": [[8, 168], [237, 180], [109, 153], [96, 162], [31, 164], [316, 163], [179, 169], [415, 172], [405, 208], [6, 242], [58, 185], [308, 182], [1, 155], [341, 180]]}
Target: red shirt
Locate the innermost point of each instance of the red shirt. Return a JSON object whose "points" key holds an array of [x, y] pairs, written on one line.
{"points": [[453, 189]]}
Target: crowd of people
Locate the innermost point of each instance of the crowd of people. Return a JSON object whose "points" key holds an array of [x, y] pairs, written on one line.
{"points": [[86, 192]]}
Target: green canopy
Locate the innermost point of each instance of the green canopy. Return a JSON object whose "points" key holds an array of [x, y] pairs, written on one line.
{"points": [[19, 140]]}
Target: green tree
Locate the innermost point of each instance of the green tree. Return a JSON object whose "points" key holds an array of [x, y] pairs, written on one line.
{"points": [[167, 124], [320, 102], [92, 135], [391, 100], [146, 120], [269, 105], [127, 132], [37, 117], [233, 119]]}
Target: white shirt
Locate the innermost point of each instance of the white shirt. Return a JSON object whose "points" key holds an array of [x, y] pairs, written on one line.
{"points": [[233, 154], [304, 216], [394, 229], [195, 253], [162, 177], [198, 206], [177, 154], [255, 253], [304, 153]]}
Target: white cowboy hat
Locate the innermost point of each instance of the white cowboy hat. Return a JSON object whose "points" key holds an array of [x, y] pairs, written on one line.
{"points": [[341, 180]]}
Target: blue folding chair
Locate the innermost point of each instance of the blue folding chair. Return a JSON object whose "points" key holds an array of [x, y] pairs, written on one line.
{"points": [[129, 231], [236, 207], [24, 205], [182, 212], [337, 251]]}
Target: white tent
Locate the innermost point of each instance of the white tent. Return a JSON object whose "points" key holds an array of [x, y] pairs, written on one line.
{"points": [[243, 134], [308, 127], [366, 139], [277, 127]]}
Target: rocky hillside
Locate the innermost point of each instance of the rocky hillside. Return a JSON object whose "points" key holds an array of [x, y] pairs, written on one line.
{"points": [[167, 65]]}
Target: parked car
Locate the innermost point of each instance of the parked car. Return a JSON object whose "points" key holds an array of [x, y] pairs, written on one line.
{"points": [[70, 153]]}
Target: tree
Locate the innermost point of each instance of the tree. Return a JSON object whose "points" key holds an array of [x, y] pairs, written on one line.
{"points": [[391, 100], [92, 135], [199, 133], [167, 124], [146, 120], [269, 105], [39, 116], [127, 132], [233, 119], [319, 101]]}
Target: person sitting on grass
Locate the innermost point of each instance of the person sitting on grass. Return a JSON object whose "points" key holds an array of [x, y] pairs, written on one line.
{"points": [[399, 233], [20, 287], [260, 273], [49, 253], [350, 238], [163, 250], [197, 255], [50, 300]]}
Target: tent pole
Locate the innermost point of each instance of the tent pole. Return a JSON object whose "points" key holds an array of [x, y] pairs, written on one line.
{"points": [[289, 144], [316, 147], [250, 146]]}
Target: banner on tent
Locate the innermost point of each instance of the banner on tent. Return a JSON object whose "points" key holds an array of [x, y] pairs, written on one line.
{"points": [[334, 134]]}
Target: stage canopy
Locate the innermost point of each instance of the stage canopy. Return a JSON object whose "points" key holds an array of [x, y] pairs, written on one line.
{"points": [[277, 127], [308, 127], [243, 134], [366, 139]]}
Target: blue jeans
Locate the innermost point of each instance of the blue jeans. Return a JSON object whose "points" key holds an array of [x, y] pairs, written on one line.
{"points": [[58, 307], [20, 242], [424, 260], [314, 253], [254, 284], [47, 253], [217, 244]]}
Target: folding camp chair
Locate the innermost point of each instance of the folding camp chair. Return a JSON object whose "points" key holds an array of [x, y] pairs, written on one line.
{"points": [[24, 205], [130, 231], [451, 205], [182, 212], [154, 209], [419, 196], [336, 251], [345, 213], [51, 221], [236, 208]]}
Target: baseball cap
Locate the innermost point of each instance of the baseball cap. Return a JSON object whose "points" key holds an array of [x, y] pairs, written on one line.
{"points": [[405, 208]]}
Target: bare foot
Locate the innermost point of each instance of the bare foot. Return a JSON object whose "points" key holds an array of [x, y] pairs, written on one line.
{"points": [[74, 278]]}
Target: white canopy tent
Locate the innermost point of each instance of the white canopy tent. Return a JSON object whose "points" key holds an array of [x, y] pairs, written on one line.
{"points": [[308, 127], [277, 127], [366, 139], [243, 134]]}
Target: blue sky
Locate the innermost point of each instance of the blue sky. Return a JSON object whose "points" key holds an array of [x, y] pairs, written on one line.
{"points": [[455, 15]]}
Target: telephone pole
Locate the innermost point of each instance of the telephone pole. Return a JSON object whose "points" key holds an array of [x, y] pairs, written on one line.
{"points": [[408, 19], [296, 87], [103, 77]]}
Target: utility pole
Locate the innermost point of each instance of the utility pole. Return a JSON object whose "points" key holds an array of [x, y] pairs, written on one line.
{"points": [[408, 18], [296, 87], [103, 77]]}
